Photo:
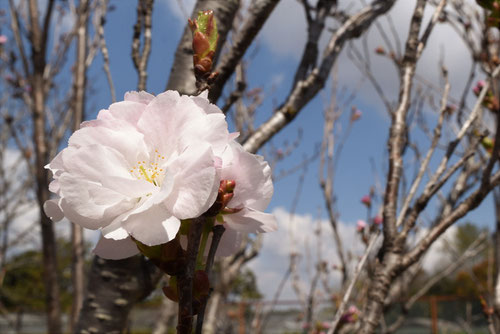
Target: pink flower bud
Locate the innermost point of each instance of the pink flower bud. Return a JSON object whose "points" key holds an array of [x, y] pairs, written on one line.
{"points": [[355, 114], [366, 200], [377, 220], [479, 85], [3, 39], [360, 225]]}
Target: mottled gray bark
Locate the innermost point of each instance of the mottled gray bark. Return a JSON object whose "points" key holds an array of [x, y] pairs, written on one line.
{"points": [[182, 74], [114, 287]]}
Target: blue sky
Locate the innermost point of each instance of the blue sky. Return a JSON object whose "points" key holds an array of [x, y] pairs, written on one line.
{"points": [[277, 52]]}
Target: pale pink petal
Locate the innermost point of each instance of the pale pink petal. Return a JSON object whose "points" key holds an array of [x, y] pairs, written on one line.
{"points": [[195, 183], [115, 230], [128, 111], [90, 200], [87, 222], [152, 227], [130, 187], [115, 249], [251, 221], [141, 97], [54, 186], [210, 128], [127, 141], [165, 119], [254, 187], [230, 242], [234, 135], [95, 163], [203, 103], [52, 210]]}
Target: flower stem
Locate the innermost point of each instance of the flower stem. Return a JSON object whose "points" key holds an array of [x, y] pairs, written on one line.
{"points": [[185, 279], [218, 230], [207, 228]]}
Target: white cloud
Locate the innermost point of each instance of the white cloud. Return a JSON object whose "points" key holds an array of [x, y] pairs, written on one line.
{"points": [[296, 234], [285, 32]]}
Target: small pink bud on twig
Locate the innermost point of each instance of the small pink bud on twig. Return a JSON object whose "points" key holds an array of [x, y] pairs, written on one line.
{"points": [[360, 225], [366, 200]]}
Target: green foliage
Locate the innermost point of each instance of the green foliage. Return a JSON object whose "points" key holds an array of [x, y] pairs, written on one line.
{"points": [[465, 235], [245, 286], [471, 280], [493, 6], [23, 285]]}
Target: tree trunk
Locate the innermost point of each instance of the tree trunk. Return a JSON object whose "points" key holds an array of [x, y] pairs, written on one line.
{"points": [[384, 275], [114, 287]]}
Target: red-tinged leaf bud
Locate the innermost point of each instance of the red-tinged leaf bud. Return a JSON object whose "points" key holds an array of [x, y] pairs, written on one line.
{"points": [[205, 37]]}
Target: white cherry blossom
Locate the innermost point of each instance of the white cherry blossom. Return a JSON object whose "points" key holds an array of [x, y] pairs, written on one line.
{"points": [[138, 169], [251, 196]]}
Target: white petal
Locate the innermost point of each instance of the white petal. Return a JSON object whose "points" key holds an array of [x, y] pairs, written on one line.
{"points": [[52, 210], [90, 205], [251, 221], [141, 97], [195, 183], [254, 187], [129, 111], [152, 227], [115, 230], [229, 243], [115, 249], [203, 102]]}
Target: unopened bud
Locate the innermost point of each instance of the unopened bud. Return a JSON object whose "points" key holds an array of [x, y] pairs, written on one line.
{"points": [[366, 200], [205, 38]]}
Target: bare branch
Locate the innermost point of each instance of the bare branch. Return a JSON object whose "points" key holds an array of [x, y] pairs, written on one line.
{"points": [[259, 11], [304, 90], [143, 23]]}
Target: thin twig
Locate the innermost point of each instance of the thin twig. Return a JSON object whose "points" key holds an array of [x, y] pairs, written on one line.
{"points": [[345, 299]]}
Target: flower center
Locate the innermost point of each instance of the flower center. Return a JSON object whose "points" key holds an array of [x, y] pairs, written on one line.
{"points": [[150, 170]]}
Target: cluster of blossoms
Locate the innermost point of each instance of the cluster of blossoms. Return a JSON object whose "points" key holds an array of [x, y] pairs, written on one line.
{"points": [[149, 163]]}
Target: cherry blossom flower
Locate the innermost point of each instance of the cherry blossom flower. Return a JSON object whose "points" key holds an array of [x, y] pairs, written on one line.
{"points": [[3, 39], [142, 166], [252, 194]]}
